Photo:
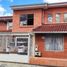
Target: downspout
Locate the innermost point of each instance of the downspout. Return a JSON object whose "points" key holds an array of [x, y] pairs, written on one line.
{"points": [[43, 13], [42, 16]]}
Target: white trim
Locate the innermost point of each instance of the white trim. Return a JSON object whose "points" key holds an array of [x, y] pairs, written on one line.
{"points": [[28, 46], [7, 26], [6, 42], [34, 45], [29, 33], [51, 32], [14, 33]]}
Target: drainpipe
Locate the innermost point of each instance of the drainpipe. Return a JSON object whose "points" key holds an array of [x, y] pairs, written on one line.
{"points": [[43, 16], [43, 13]]}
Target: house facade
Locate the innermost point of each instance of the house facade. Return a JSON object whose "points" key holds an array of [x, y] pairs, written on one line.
{"points": [[35, 34]]}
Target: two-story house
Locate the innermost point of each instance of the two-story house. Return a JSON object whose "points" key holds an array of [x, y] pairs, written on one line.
{"points": [[36, 34]]}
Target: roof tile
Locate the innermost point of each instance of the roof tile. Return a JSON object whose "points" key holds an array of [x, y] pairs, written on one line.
{"points": [[52, 27]]}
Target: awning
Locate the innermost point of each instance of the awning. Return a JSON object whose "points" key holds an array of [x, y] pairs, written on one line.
{"points": [[52, 28]]}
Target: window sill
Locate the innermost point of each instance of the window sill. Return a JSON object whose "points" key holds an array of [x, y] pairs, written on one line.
{"points": [[54, 50], [29, 26]]}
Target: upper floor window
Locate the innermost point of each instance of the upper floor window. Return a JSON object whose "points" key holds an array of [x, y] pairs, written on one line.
{"points": [[9, 25], [58, 17], [65, 17], [50, 18], [26, 19]]}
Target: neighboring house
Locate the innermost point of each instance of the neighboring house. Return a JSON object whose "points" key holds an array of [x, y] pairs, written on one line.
{"points": [[36, 34]]}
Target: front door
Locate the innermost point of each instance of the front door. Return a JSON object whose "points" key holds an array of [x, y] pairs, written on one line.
{"points": [[22, 44]]}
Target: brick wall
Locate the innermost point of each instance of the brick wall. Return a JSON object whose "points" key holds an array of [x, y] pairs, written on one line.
{"points": [[16, 20], [53, 11], [3, 26], [51, 54]]}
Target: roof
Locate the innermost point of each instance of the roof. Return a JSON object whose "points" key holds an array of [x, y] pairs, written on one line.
{"points": [[61, 4], [6, 18], [29, 6], [51, 28], [42, 6]]}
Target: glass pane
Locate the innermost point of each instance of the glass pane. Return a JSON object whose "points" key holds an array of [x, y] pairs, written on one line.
{"points": [[50, 18], [22, 44], [22, 39], [58, 17], [11, 41], [23, 17], [10, 25], [65, 17], [10, 44], [23, 20], [30, 16], [54, 42], [30, 19]]}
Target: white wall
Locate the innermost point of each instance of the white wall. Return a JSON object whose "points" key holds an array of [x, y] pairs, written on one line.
{"points": [[14, 58]]}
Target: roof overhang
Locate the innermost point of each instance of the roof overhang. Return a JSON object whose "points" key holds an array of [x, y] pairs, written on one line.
{"points": [[37, 6], [5, 18], [53, 5], [51, 28], [32, 6]]}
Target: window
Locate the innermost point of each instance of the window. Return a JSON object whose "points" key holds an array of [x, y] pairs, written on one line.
{"points": [[54, 42], [65, 17], [26, 19], [9, 25], [50, 18], [22, 44], [14, 44], [58, 17], [10, 46]]}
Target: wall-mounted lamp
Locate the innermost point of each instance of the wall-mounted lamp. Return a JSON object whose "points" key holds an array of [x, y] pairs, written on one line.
{"points": [[43, 37]]}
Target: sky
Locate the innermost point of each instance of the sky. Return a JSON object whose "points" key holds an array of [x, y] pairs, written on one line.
{"points": [[5, 9]]}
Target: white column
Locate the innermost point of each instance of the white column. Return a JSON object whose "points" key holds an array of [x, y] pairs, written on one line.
{"points": [[33, 45]]}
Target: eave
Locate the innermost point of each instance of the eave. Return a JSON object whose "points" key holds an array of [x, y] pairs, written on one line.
{"points": [[31, 6], [5, 18], [54, 5], [39, 6]]}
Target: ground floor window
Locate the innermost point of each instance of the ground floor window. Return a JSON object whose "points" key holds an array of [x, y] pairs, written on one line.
{"points": [[54, 42], [22, 45], [14, 44]]}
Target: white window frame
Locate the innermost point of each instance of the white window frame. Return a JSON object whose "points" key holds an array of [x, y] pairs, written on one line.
{"points": [[59, 14], [28, 43], [9, 26], [64, 17]]}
